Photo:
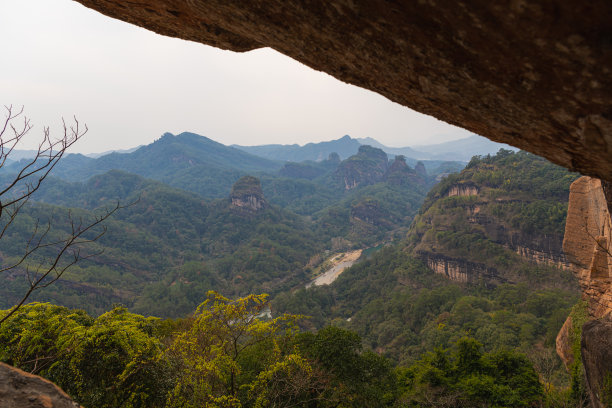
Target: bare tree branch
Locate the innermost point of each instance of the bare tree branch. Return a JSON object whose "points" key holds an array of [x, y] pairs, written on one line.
{"points": [[68, 254], [16, 193]]}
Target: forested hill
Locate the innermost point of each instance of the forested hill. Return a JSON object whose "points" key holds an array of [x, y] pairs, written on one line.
{"points": [[167, 249], [456, 150], [344, 147], [463, 288], [457, 272], [501, 209], [170, 246], [188, 161]]}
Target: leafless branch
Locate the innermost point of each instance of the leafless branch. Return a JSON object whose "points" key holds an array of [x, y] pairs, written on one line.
{"points": [[597, 239], [68, 253], [15, 194], [32, 173]]}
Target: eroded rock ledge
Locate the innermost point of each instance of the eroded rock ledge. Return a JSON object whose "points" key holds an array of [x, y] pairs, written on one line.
{"points": [[587, 244], [19, 389], [537, 75]]}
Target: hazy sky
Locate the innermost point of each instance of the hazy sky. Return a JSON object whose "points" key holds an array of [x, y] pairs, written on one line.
{"points": [[130, 85]]}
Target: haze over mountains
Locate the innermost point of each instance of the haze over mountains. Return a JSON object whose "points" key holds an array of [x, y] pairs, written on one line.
{"points": [[456, 150], [447, 250]]}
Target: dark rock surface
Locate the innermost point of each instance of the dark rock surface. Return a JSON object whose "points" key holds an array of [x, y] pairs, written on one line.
{"points": [[536, 75], [596, 351], [19, 389]]}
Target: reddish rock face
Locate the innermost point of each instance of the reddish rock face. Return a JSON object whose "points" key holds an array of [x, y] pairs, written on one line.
{"points": [[536, 75], [19, 389], [588, 243]]}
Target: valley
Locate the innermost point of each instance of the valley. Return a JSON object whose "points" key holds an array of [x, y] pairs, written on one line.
{"points": [[410, 259]]}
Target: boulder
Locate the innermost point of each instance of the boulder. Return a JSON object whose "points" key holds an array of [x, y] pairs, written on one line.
{"points": [[19, 389]]}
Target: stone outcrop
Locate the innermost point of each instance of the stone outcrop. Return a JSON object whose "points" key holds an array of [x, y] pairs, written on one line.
{"points": [[463, 190], [534, 75], [366, 167], [247, 195], [588, 243], [596, 351], [460, 270], [551, 258], [564, 341], [420, 169], [19, 389]]}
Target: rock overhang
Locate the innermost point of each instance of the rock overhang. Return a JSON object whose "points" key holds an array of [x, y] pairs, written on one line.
{"points": [[534, 75]]}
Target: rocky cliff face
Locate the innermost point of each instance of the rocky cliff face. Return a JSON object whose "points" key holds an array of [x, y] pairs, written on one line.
{"points": [[476, 219], [463, 190], [460, 270], [19, 389], [596, 352], [367, 167], [587, 245], [247, 195]]}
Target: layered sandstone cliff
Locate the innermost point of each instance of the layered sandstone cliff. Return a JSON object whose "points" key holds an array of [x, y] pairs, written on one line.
{"points": [[587, 244], [498, 215]]}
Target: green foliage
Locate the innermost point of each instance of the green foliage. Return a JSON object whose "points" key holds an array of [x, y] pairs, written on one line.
{"points": [[227, 355], [579, 317], [210, 352], [467, 376], [164, 252], [110, 361]]}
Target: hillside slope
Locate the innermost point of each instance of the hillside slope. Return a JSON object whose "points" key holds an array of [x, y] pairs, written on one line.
{"points": [[482, 258]]}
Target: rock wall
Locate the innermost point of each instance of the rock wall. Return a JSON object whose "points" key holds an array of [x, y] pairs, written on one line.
{"points": [[366, 167], [247, 195], [596, 351], [463, 190], [587, 244], [19, 389], [536, 75], [543, 258], [460, 270]]}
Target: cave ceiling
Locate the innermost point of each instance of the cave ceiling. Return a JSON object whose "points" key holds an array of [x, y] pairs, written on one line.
{"points": [[536, 75]]}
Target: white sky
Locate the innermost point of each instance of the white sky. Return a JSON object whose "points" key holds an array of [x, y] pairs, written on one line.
{"points": [[130, 85]]}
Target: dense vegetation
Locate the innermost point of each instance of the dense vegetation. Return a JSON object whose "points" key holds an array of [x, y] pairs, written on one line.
{"points": [[495, 208], [224, 356], [170, 246], [400, 335]]}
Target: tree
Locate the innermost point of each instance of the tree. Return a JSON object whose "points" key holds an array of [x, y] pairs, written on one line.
{"points": [[227, 345], [45, 257]]}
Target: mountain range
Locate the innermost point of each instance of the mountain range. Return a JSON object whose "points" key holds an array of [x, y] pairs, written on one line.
{"points": [[460, 150], [445, 254]]}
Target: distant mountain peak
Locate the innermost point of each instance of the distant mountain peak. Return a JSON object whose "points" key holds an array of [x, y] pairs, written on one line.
{"points": [[366, 167]]}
